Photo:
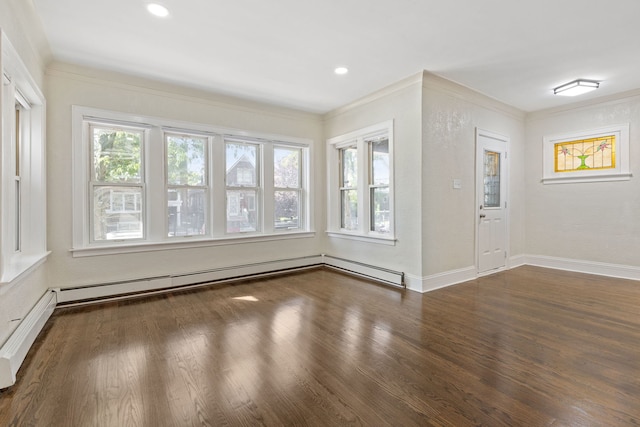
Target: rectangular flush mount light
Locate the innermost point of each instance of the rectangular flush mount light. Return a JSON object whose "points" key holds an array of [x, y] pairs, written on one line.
{"points": [[576, 87]]}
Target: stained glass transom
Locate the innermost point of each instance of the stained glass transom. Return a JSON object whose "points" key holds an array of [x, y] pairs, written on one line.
{"points": [[592, 153]]}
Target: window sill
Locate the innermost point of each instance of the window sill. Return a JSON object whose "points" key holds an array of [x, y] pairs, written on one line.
{"points": [[183, 243], [587, 178], [15, 272], [382, 240]]}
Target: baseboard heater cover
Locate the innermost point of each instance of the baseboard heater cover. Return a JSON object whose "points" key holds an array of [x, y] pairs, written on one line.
{"points": [[14, 351], [159, 284], [384, 275]]}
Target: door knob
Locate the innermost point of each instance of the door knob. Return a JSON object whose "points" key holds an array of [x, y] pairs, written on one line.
{"points": [[482, 215]]}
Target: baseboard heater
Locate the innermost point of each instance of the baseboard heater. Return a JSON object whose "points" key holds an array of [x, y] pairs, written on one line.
{"points": [[159, 284], [379, 274], [150, 285], [15, 349]]}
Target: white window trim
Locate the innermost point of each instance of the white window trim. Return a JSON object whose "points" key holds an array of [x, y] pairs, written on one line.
{"points": [[621, 172], [18, 85], [155, 183], [364, 232]]}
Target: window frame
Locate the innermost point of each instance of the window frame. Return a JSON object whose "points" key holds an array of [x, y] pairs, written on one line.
{"points": [[256, 188], [359, 139], [206, 186], [300, 189], [94, 183], [156, 184], [23, 232]]}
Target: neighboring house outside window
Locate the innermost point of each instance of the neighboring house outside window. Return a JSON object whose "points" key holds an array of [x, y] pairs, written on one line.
{"points": [[213, 186]]}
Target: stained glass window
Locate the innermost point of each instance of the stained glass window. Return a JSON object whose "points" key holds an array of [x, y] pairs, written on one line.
{"points": [[592, 153]]}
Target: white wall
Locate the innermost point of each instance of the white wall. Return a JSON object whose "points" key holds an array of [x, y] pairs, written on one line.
{"points": [[19, 21], [451, 114], [590, 222], [400, 103], [435, 125], [69, 85]]}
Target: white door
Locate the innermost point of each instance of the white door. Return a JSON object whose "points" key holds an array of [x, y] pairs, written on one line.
{"points": [[491, 201]]}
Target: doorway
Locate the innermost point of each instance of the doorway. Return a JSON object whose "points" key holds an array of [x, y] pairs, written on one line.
{"points": [[492, 235]]}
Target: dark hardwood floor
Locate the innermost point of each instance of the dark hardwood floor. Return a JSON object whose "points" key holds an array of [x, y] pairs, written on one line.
{"points": [[527, 347]]}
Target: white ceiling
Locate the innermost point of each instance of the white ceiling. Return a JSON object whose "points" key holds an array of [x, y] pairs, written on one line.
{"points": [[284, 51]]}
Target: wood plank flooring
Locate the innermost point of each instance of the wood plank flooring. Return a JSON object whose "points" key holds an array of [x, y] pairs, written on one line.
{"points": [[527, 347]]}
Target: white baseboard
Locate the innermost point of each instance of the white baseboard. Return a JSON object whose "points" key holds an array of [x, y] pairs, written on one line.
{"points": [[14, 351], [582, 266], [440, 280], [517, 261], [448, 278]]}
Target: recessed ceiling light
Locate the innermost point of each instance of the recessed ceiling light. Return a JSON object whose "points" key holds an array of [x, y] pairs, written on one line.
{"points": [[341, 71], [576, 87], [157, 10]]}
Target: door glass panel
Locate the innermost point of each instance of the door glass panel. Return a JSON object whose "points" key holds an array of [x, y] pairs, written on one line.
{"points": [[491, 179]]}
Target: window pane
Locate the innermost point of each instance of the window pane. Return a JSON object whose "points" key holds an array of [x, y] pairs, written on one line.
{"points": [[116, 155], [491, 179], [349, 209], [287, 209], [380, 214], [349, 160], [286, 167], [186, 163], [117, 213], [380, 161], [241, 211], [241, 165], [187, 211]]}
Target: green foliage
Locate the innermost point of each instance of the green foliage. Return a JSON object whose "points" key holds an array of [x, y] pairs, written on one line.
{"points": [[287, 168], [185, 161], [116, 155]]}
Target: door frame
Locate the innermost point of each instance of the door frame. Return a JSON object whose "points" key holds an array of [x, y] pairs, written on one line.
{"points": [[476, 211]]}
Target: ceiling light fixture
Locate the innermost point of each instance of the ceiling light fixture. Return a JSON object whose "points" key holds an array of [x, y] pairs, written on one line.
{"points": [[341, 71], [157, 10], [576, 87]]}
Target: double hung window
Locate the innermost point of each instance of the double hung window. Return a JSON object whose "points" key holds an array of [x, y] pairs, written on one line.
{"points": [[187, 184], [361, 183], [22, 169], [243, 185], [117, 183], [349, 188], [288, 187], [146, 182]]}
